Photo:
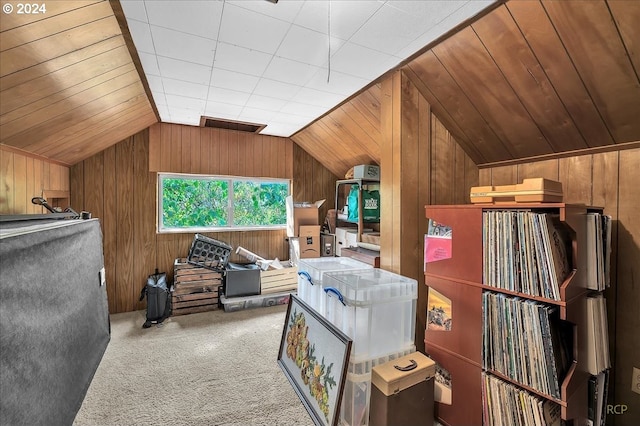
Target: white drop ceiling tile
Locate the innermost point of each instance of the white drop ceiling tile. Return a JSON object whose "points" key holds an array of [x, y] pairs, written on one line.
{"points": [[429, 12], [149, 63], [222, 110], [240, 59], [201, 18], [255, 115], [389, 30], [155, 83], [181, 70], [308, 46], [182, 46], [317, 98], [275, 89], [279, 129], [226, 96], [141, 35], [185, 103], [339, 83], [346, 16], [264, 102], [296, 120], [288, 71], [159, 98], [303, 110], [284, 10], [358, 61], [182, 116], [185, 88], [134, 9], [233, 80], [252, 30]]}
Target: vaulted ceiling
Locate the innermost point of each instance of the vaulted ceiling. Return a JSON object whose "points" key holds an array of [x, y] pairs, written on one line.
{"points": [[528, 79]]}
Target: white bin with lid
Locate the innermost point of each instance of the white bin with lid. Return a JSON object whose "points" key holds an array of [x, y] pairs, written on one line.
{"points": [[374, 307], [311, 273]]}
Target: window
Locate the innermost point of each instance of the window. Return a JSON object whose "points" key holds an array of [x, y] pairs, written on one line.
{"points": [[199, 203]]}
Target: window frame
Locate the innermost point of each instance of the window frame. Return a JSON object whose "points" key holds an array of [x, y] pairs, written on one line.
{"points": [[160, 229]]}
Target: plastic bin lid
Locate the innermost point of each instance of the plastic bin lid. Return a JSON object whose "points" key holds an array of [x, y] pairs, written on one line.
{"points": [[370, 286]]}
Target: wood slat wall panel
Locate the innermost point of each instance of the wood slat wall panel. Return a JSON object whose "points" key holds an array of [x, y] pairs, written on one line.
{"points": [[609, 180], [128, 198], [613, 83], [23, 177], [509, 49], [545, 43]]}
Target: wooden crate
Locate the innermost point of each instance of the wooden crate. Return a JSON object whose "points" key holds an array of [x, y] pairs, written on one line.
{"points": [[534, 190], [279, 280], [195, 289]]}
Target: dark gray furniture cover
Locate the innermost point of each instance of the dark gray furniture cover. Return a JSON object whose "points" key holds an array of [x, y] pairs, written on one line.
{"points": [[54, 318]]}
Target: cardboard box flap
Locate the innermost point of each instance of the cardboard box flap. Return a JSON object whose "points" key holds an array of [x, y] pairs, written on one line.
{"points": [[402, 373], [301, 213]]}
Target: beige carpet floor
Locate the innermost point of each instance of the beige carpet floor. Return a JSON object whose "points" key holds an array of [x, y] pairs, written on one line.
{"points": [[213, 368]]}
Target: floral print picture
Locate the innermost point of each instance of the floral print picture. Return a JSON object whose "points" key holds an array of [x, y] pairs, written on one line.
{"points": [[314, 356]]}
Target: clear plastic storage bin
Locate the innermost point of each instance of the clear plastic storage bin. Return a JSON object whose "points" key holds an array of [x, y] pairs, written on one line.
{"points": [[374, 307], [310, 277], [354, 409]]}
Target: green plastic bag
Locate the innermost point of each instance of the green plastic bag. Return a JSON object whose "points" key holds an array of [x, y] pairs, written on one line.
{"points": [[370, 205]]}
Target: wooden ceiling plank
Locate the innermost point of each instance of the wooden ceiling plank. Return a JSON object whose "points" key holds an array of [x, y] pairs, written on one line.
{"points": [[355, 114], [56, 130], [43, 50], [602, 62], [57, 101], [517, 63], [627, 16], [443, 116], [368, 105], [360, 137], [68, 106], [60, 62], [348, 146], [9, 21], [53, 24], [490, 93], [58, 82], [314, 142], [543, 40], [124, 118], [466, 122]]}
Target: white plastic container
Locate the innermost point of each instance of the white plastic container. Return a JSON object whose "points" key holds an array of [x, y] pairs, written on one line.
{"points": [[374, 307], [311, 273], [354, 409]]}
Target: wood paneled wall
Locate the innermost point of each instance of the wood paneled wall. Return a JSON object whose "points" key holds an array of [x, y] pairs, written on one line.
{"points": [[118, 185], [421, 163], [610, 180], [23, 176]]}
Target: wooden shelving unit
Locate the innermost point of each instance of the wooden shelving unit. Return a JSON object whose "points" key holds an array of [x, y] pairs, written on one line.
{"points": [[342, 190], [460, 279]]}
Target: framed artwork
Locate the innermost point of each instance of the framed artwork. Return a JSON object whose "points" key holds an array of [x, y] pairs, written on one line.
{"points": [[314, 356]]}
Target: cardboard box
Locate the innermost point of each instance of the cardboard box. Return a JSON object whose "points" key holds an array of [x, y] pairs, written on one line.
{"points": [[301, 214], [309, 241], [366, 171]]}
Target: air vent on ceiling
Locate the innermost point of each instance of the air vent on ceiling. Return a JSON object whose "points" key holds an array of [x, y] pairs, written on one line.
{"points": [[218, 123]]}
